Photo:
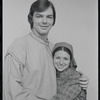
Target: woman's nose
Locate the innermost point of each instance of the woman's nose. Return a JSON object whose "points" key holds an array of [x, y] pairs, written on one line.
{"points": [[61, 61]]}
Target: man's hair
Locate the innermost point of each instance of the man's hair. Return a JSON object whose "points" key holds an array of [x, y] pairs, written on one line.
{"points": [[40, 6]]}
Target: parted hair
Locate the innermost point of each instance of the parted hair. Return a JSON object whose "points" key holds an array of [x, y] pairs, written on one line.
{"points": [[62, 48], [40, 6]]}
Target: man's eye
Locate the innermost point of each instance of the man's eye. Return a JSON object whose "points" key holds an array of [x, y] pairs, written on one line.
{"points": [[51, 17], [38, 16]]}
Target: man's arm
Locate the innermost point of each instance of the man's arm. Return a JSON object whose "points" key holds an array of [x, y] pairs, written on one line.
{"points": [[83, 81], [13, 87]]}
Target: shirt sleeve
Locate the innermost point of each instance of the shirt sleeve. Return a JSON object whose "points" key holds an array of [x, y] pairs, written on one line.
{"points": [[13, 86]]}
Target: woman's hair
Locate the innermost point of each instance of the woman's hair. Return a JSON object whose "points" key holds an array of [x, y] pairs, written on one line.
{"points": [[62, 48], [40, 6]]}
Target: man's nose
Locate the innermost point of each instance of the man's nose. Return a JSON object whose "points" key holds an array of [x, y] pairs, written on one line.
{"points": [[44, 21]]}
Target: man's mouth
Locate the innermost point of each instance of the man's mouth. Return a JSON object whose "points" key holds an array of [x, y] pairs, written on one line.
{"points": [[44, 27]]}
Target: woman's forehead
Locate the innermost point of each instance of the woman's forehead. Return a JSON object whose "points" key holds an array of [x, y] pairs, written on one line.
{"points": [[62, 53]]}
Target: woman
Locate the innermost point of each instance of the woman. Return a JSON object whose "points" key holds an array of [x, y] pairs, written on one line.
{"points": [[68, 87]]}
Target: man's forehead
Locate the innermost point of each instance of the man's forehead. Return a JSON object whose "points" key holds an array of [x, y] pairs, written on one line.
{"points": [[48, 11]]}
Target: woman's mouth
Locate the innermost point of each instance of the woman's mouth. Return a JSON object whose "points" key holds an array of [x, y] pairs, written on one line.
{"points": [[60, 67]]}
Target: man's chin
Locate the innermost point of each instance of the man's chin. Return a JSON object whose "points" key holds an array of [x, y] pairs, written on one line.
{"points": [[44, 32]]}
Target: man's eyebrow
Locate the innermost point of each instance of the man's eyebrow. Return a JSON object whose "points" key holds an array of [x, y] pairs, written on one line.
{"points": [[42, 15], [50, 15], [38, 14]]}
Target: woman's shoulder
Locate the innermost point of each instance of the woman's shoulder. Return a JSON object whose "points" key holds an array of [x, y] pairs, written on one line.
{"points": [[74, 73]]}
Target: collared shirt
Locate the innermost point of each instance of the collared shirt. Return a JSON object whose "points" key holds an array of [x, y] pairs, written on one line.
{"points": [[29, 71]]}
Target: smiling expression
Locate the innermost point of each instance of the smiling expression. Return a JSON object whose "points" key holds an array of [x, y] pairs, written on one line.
{"points": [[61, 60], [43, 21]]}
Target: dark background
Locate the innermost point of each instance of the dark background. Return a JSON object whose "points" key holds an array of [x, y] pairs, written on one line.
{"points": [[1, 50]]}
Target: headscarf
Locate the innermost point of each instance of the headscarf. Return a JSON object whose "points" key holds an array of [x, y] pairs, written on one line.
{"points": [[69, 46]]}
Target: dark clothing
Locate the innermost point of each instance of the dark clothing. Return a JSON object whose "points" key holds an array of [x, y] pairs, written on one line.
{"points": [[68, 86]]}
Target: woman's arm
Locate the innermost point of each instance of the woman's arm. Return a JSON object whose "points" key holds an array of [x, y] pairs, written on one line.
{"points": [[82, 95]]}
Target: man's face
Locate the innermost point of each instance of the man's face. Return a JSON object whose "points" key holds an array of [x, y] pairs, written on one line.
{"points": [[42, 21]]}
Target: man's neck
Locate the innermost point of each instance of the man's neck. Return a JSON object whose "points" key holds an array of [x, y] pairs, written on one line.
{"points": [[42, 37]]}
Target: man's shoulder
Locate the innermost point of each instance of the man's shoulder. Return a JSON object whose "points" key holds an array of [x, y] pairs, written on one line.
{"points": [[17, 49], [18, 42]]}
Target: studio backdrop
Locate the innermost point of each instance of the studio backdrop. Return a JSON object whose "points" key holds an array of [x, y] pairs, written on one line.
{"points": [[76, 23]]}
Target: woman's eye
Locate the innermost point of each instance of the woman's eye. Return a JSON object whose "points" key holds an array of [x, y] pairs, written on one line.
{"points": [[65, 58], [57, 57]]}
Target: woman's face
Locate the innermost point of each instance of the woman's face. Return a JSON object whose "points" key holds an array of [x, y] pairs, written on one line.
{"points": [[61, 60]]}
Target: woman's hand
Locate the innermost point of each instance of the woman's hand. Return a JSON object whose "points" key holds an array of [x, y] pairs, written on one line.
{"points": [[84, 81]]}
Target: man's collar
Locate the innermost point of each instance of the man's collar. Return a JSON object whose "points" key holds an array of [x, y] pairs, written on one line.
{"points": [[45, 41]]}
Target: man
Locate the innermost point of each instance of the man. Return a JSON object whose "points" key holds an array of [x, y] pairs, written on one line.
{"points": [[29, 71]]}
